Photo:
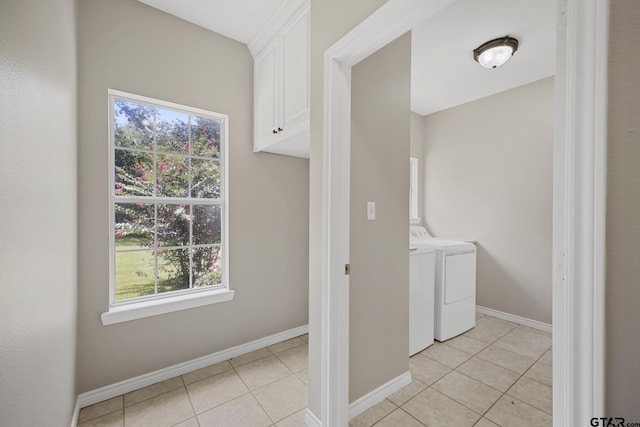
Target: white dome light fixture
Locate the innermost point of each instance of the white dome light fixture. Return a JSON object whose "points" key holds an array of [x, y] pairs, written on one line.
{"points": [[494, 53]]}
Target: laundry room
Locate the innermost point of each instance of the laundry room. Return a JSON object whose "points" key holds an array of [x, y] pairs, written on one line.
{"points": [[481, 207], [481, 146], [486, 182], [486, 170]]}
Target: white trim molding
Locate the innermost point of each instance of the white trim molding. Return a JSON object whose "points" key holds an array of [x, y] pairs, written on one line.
{"points": [[378, 395], [126, 386], [310, 419], [154, 307], [367, 401], [393, 19], [541, 326], [579, 211], [76, 414], [270, 29], [161, 303], [579, 202]]}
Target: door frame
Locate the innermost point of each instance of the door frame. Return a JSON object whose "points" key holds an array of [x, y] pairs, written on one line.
{"points": [[579, 202]]}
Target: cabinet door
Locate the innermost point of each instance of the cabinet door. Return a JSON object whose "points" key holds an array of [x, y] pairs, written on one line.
{"points": [[295, 73], [266, 87]]}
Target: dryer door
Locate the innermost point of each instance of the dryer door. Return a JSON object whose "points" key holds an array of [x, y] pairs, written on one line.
{"points": [[459, 276]]}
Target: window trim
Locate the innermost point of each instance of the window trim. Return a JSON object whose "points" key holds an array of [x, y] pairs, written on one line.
{"points": [[121, 311], [164, 304], [414, 190]]}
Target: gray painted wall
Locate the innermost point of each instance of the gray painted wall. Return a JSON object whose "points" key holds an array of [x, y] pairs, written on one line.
{"points": [[38, 228], [488, 177], [379, 280], [129, 46], [330, 20], [38, 63], [623, 213]]}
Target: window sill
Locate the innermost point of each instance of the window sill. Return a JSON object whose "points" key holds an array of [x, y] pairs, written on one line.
{"points": [[126, 312]]}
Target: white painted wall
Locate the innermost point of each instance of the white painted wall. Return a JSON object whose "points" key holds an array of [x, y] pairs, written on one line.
{"points": [[488, 177], [38, 227]]}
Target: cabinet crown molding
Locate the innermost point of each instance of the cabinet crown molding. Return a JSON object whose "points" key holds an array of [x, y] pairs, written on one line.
{"points": [[274, 25]]}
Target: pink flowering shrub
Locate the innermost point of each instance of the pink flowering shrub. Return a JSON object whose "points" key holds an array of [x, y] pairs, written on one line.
{"points": [[162, 153]]}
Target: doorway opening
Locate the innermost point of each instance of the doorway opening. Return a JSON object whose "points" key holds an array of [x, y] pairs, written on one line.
{"points": [[578, 202]]}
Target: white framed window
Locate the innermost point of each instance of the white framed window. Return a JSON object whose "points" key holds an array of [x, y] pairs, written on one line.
{"points": [[413, 190], [168, 207]]}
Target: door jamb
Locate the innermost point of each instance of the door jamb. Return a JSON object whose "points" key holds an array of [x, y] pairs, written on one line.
{"points": [[579, 202]]}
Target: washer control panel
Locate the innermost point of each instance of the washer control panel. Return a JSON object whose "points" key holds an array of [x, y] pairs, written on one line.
{"points": [[418, 233]]}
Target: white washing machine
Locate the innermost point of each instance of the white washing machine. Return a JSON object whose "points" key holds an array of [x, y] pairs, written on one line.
{"points": [[455, 283], [421, 298]]}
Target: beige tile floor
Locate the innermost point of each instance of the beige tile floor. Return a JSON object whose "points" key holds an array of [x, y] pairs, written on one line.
{"points": [[497, 374]]}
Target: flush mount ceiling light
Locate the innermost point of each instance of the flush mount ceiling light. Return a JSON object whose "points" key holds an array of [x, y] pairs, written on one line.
{"points": [[494, 53]]}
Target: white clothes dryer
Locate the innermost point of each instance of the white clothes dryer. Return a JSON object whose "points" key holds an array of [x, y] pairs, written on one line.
{"points": [[455, 283]]}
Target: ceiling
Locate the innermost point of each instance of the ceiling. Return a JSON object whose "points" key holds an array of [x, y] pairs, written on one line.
{"points": [[444, 73], [237, 19]]}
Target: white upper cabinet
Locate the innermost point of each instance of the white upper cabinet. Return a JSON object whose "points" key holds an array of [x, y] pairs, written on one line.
{"points": [[281, 82], [265, 92]]}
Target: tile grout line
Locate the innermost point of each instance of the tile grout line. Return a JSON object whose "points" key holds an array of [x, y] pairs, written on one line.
{"points": [[437, 361], [124, 405], [385, 416], [474, 339], [290, 348], [401, 406], [511, 386], [396, 408], [184, 386], [475, 355], [251, 391], [195, 414], [532, 379], [430, 386], [503, 392], [402, 409], [105, 414], [286, 416], [455, 400], [273, 422]]}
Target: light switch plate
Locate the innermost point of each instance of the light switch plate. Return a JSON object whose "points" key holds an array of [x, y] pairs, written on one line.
{"points": [[371, 211]]}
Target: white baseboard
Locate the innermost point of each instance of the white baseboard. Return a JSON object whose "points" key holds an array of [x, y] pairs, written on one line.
{"points": [[367, 401], [515, 319], [76, 412], [378, 395], [311, 420], [126, 386]]}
